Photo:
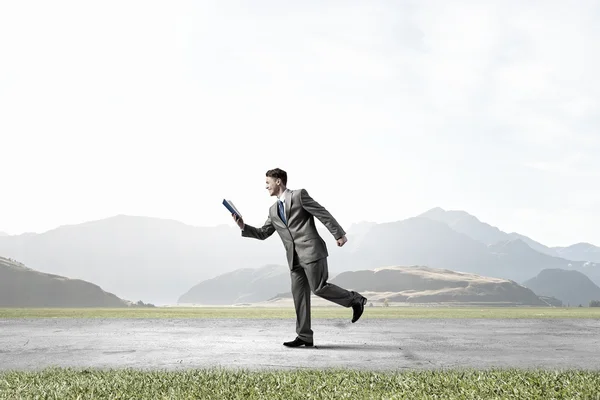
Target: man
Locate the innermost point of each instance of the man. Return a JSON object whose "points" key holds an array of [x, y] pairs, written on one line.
{"points": [[293, 217]]}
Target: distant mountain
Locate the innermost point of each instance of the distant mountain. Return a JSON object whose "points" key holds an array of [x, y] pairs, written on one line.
{"points": [[140, 258], [246, 285], [466, 223], [416, 241], [157, 260], [591, 270], [536, 245], [3, 234], [572, 287], [517, 259], [21, 286], [420, 284], [580, 252], [425, 241], [356, 233]]}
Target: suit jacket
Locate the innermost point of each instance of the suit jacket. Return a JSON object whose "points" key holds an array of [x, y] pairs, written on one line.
{"points": [[300, 234]]}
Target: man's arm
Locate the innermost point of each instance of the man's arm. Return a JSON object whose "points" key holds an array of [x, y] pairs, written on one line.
{"points": [[258, 233], [314, 208]]}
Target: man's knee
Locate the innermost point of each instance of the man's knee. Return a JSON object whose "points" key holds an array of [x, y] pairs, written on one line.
{"points": [[321, 289]]}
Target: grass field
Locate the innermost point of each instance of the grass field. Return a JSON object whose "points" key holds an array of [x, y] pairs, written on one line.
{"points": [[317, 312], [313, 384]]}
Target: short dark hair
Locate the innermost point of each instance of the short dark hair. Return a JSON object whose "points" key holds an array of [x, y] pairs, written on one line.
{"points": [[278, 173]]}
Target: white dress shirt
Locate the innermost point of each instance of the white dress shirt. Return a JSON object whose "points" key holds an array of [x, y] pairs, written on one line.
{"points": [[282, 198]]}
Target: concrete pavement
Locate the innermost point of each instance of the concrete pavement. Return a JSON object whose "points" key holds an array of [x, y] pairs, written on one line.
{"points": [[390, 344]]}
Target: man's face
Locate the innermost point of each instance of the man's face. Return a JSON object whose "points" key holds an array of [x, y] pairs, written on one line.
{"points": [[272, 185]]}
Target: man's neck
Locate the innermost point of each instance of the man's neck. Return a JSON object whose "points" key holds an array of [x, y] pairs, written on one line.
{"points": [[281, 192]]}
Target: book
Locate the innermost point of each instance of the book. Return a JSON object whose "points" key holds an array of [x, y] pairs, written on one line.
{"points": [[229, 205]]}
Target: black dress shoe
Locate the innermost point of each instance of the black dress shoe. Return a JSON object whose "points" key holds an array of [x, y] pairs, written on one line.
{"points": [[358, 308], [297, 343]]}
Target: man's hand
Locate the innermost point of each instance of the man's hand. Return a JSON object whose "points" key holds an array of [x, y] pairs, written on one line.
{"points": [[341, 241], [238, 221]]}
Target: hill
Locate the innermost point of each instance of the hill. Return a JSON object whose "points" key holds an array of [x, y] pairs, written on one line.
{"points": [[21, 286], [571, 287], [420, 284], [246, 285]]}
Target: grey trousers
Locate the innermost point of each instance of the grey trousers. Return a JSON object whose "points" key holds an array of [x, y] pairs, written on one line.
{"points": [[312, 277]]}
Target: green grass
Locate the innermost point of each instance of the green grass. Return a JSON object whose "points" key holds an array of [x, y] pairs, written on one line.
{"points": [[69, 383], [317, 312]]}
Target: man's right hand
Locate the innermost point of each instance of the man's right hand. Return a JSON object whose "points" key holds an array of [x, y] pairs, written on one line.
{"points": [[238, 221]]}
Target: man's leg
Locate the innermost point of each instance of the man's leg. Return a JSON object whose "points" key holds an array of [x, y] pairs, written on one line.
{"points": [[301, 294], [318, 273]]}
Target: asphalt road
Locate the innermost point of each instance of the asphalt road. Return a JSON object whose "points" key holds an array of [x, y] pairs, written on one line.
{"points": [[28, 344]]}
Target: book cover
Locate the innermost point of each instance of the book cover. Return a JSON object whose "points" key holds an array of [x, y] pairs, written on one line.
{"points": [[229, 205]]}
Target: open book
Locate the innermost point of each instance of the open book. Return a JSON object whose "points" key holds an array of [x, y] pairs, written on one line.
{"points": [[229, 205]]}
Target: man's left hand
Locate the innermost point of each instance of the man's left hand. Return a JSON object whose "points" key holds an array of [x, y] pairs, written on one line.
{"points": [[341, 241]]}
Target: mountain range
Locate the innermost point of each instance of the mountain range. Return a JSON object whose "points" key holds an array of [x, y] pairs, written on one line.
{"points": [[423, 240], [139, 258], [158, 261], [466, 223]]}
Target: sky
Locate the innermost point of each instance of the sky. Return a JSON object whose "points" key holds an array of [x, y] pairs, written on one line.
{"points": [[381, 110]]}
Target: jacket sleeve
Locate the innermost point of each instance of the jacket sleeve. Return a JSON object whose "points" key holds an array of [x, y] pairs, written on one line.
{"points": [[259, 233], [318, 211]]}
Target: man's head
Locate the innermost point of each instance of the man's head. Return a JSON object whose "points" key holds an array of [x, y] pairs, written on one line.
{"points": [[276, 181]]}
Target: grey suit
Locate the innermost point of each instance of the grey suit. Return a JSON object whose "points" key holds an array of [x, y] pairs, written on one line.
{"points": [[306, 254]]}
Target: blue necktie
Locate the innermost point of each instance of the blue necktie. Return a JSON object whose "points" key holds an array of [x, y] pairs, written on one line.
{"points": [[282, 212]]}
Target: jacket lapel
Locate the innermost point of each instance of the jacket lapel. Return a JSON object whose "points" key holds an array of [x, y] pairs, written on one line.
{"points": [[275, 218]]}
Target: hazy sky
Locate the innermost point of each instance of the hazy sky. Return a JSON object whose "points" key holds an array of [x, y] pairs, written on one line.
{"points": [[381, 110]]}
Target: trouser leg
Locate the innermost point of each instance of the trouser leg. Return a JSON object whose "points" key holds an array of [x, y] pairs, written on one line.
{"points": [[301, 295], [317, 274]]}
